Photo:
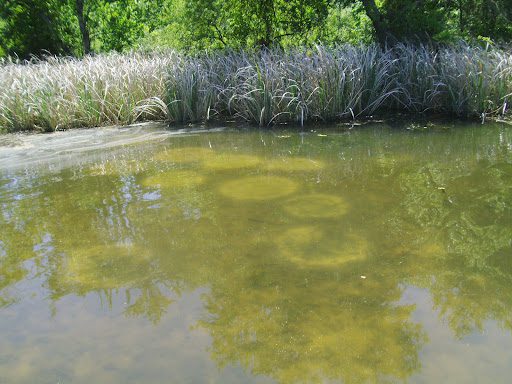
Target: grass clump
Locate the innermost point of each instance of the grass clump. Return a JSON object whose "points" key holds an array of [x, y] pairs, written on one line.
{"points": [[60, 93], [265, 87]]}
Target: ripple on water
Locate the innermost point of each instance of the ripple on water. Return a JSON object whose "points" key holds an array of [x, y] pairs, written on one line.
{"points": [[116, 168], [174, 179], [308, 246], [316, 205], [258, 188]]}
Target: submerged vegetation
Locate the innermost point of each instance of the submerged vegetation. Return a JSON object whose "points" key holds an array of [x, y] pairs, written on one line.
{"points": [[264, 88]]}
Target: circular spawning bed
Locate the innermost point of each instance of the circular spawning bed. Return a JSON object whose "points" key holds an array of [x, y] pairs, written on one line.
{"points": [[185, 155], [258, 188], [229, 161], [316, 206], [294, 164], [307, 246], [174, 179]]}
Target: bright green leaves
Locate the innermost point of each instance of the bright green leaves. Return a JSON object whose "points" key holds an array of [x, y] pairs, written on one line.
{"points": [[253, 23]]}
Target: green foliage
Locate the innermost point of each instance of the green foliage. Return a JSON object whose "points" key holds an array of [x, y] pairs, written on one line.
{"points": [[492, 19], [36, 27], [344, 25], [119, 24], [65, 28], [256, 23], [421, 20]]}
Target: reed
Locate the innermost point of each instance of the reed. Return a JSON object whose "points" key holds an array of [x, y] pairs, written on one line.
{"points": [[263, 88], [60, 93]]}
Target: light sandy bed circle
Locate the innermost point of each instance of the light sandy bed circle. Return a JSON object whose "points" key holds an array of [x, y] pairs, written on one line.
{"points": [[316, 206], [258, 188], [307, 246], [175, 178], [293, 164], [185, 155], [228, 161]]}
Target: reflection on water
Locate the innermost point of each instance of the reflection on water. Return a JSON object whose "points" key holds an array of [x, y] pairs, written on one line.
{"points": [[260, 257]]}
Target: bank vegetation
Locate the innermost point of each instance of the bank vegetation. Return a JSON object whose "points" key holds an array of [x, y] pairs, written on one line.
{"points": [[263, 87]]}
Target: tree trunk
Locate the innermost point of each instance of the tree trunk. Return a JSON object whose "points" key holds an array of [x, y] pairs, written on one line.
{"points": [[384, 36], [461, 16], [84, 31], [267, 14]]}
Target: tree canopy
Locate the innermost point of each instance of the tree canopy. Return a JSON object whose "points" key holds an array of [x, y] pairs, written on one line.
{"points": [[77, 27]]}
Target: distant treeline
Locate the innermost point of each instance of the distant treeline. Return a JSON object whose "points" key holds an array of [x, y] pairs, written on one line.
{"points": [[78, 27]]}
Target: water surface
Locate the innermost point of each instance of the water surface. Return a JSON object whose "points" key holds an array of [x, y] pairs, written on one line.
{"points": [[374, 255]]}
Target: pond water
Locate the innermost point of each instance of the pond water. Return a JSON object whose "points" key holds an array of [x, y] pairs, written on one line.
{"points": [[378, 254]]}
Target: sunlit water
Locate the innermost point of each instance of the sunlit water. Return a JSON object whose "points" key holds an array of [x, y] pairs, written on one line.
{"points": [[380, 254]]}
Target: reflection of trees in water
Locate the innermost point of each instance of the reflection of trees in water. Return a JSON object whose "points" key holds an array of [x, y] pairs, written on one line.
{"points": [[304, 327], [459, 220], [21, 233], [297, 323], [293, 321]]}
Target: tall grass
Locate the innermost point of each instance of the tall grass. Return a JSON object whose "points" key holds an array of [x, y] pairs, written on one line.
{"points": [[265, 87], [65, 93]]}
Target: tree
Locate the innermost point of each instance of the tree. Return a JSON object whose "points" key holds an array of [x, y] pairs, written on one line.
{"points": [[404, 20], [65, 27], [120, 24], [380, 24], [491, 19], [83, 23], [35, 27], [252, 23]]}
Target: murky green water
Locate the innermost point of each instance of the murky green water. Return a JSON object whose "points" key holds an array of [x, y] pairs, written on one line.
{"points": [[380, 254]]}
